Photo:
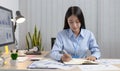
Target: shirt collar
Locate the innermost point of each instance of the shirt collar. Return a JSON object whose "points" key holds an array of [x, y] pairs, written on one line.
{"points": [[72, 34], [82, 33]]}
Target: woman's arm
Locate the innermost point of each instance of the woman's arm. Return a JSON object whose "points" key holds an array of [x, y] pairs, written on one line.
{"points": [[94, 48], [57, 47]]}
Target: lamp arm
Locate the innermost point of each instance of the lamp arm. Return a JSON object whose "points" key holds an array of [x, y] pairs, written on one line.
{"points": [[15, 26]]}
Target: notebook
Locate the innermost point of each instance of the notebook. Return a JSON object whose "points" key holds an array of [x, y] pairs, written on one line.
{"points": [[81, 62]]}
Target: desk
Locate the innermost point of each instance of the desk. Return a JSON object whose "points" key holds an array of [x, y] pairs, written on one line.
{"points": [[22, 66]]}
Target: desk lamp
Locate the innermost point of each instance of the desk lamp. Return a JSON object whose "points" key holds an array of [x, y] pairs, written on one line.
{"points": [[18, 19]]}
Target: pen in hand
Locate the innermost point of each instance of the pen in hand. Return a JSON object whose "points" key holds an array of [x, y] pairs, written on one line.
{"points": [[63, 52], [66, 57]]}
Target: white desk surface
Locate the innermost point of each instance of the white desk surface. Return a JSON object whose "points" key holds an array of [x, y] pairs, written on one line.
{"points": [[22, 66]]}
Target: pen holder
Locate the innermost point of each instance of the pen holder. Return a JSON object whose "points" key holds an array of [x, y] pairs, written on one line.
{"points": [[13, 62]]}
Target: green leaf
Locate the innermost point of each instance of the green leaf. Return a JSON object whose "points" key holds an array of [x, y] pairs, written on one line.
{"points": [[30, 39], [14, 56], [35, 32], [27, 42]]}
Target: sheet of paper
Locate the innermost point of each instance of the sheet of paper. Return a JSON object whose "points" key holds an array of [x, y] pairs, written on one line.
{"points": [[109, 61], [45, 64], [21, 59], [36, 58], [98, 67]]}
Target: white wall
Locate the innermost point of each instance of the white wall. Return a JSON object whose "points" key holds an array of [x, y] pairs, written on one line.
{"points": [[108, 28], [12, 5]]}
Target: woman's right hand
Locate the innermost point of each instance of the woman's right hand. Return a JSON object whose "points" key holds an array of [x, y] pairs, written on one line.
{"points": [[66, 57]]}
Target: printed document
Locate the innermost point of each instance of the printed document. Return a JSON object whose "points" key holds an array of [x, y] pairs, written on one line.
{"points": [[98, 67], [45, 64]]}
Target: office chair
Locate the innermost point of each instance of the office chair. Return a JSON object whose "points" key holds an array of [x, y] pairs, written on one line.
{"points": [[52, 41]]}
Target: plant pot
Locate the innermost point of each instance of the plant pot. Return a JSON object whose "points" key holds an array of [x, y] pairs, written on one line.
{"points": [[13, 62]]}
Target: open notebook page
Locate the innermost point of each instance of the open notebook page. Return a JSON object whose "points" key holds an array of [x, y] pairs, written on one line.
{"points": [[81, 61]]}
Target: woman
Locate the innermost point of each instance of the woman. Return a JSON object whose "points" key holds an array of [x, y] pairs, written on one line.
{"points": [[75, 40]]}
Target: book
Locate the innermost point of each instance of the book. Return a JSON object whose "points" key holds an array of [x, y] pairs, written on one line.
{"points": [[81, 62]]}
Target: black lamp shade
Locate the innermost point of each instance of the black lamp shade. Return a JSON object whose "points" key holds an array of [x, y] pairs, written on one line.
{"points": [[19, 17]]}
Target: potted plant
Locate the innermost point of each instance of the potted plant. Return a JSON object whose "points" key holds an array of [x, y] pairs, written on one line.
{"points": [[34, 40], [14, 56]]}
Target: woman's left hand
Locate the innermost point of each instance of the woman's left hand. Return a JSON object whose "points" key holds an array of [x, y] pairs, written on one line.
{"points": [[91, 58]]}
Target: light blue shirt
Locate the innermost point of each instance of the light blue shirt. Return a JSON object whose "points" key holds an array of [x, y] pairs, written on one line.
{"points": [[77, 47]]}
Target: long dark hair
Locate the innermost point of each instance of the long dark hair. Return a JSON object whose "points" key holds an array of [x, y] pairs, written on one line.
{"points": [[74, 10]]}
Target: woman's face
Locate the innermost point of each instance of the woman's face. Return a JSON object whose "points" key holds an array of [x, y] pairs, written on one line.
{"points": [[74, 24]]}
